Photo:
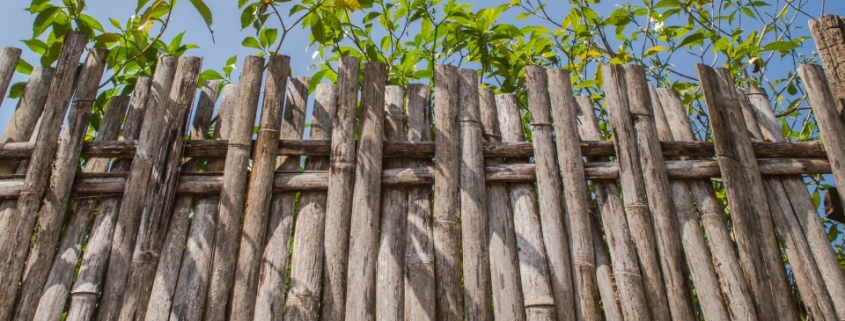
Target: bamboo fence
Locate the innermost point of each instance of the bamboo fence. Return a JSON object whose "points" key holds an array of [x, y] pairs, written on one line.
{"points": [[417, 203]]}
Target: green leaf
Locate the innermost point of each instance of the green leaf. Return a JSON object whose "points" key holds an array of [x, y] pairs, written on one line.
{"points": [[251, 42], [207, 75], [23, 67], [17, 90], [692, 40], [36, 45], [780, 46], [268, 37], [204, 11], [43, 20], [248, 15], [352, 5], [141, 5], [91, 22], [654, 50]]}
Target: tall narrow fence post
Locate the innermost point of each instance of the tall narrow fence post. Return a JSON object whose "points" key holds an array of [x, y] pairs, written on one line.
{"points": [[8, 61]]}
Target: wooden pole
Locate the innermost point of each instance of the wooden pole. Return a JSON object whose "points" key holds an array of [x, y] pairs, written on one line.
{"points": [[303, 301], [8, 61], [233, 195], [447, 225], [273, 272], [636, 202], [550, 189], [419, 243], [195, 271], [167, 274], [14, 249], [626, 270], [55, 291], [829, 35], [604, 276], [571, 165], [259, 194], [390, 272], [338, 202], [22, 122], [508, 301], [85, 290], [364, 227], [734, 287]]}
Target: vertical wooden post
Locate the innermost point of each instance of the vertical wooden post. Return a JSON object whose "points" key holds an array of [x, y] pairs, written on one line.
{"points": [[303, 301], [419, 244], [339, 199], [550, 189], [14, 249], [233, 195], [626, 269], [636, 203], [533, 263], [604, 276], [390, 272], [167, 274], [85, 290], [57, 287], [571, 167], [274, 261], [195, 271], [22, 122], [131, 206], [508, 301], [364, 227], [447, 225], [259, 191], [8, 61], [829, 35]]}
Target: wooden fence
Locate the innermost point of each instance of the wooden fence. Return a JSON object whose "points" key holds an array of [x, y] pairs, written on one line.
{"points": [[392, 220]]}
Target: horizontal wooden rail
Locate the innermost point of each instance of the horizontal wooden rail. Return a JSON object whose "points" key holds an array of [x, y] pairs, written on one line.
{"points": [[210, 183], [218, 148]]}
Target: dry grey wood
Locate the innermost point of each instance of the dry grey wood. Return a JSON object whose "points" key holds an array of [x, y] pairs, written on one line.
{"points": [[90, 277], [636, 203], [626, 270], [664, 219], [803, 206], [56, 289], [735, 289], [167, 273], [604, 277], [447, 225], [390, 269], [829, 35], [571, 165], [508, 300], [339, 199], [233, 195], [303, 301], [746, 228], [192, 284], [364, 226], [259, 191], [273, 272], [22, 122], [419, 243], [15, 246], [8, 61], [476, 256], [550, 189]]}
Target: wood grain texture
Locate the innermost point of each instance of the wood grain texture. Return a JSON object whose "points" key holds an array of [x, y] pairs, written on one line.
{"points": [[829, 35], [8, 61], [23, 120]]}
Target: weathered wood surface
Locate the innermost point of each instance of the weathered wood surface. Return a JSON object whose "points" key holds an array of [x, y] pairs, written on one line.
{"points": [[533, 262], [419, 243], [339, 199], [550, 189], [604, 277], [22, 122], [829, 35], [8, 61], [15, 243], [256, 214], [303, 301], [233, 195], [390, 269]]}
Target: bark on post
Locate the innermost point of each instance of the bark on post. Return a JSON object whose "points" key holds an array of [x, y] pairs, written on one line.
{"points": [[447, 225], [8, 61], [259, 194], [390, 272], [233, 195], [626, 270], [14, 249], [303, 301], [734, 287], [419, 243], [56, 289], [195, 271], [89, 279], [22, 122], [167, 274], [533, 263], [550, 189], [339, 199], [564, 108], [829, 35], [273, 272], [508, 301]]}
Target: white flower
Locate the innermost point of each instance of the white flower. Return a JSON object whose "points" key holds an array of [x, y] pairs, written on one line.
{"points": [[314, 56], [658, 25]]}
